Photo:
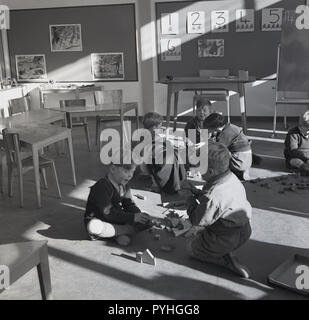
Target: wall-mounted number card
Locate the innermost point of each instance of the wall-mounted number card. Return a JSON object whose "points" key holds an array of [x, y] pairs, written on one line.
{"points": [[244, 20], [272, 19], [220, 21], [171, 49], [196, 22], [170, 23]]}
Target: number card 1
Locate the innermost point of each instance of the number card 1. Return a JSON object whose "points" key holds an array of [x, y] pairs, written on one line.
{"points": [[196, 22], [170, 49], [244, 20], [272, 19], [170, 23], [220, 21]]}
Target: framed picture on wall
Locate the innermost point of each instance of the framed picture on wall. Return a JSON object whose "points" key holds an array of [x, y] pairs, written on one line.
{"points": [[210, 48], [65, 37], [107, 66], [31, 67]]}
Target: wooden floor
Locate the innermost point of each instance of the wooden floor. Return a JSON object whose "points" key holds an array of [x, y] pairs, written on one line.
{"points": [[81, 269]]}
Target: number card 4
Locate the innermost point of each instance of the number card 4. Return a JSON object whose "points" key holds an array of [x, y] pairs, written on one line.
{"points": [[220, 21], [244, 20], [171, 49], [272, 19], [170, 23], [196, 22]]}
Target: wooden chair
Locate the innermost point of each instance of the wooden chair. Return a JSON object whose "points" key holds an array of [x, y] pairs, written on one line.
{"points": [[14, 161], [19, 258], [19, 105], [81, 121], [115, 97]]}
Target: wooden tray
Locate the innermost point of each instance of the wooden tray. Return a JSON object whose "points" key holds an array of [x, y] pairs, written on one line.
{"points": [[285, 275]]}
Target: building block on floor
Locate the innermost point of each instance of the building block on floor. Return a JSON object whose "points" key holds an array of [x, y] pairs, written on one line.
{"points": [[139, 256], [148, 257]]}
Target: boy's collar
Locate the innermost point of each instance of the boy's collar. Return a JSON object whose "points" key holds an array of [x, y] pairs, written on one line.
{"points": [[112, 181]]}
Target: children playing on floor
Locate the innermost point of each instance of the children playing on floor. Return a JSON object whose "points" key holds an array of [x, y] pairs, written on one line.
{"points": [[296, 150], [220, 214], [235, 140], [169, 173], [110, 210]]}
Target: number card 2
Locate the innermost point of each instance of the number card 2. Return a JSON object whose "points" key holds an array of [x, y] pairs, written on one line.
{"points": [[196, 22], [272, 19], [170, 23], [244, 20], [170, 49], [220, 21]]}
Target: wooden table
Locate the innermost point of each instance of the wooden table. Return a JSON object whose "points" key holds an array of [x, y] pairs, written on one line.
{"points": [[21, 257], [35, 133], [232, 83]]}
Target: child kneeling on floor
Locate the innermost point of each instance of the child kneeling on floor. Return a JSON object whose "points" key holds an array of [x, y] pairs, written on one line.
{"points": [[220, 214], [110, 210], [235, 140], [296, 150]]}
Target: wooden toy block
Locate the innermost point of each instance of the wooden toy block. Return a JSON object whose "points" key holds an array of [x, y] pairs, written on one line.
{"points": [[148, 257], [139, 256]]}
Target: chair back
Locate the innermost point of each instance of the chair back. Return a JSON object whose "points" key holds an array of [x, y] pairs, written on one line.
{"points": [[214, 73], [72, 103], [114, 97], [18, 105], [11, 145]]}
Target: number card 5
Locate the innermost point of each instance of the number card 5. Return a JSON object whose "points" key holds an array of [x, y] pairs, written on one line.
{"points": [[171, 49], [196, 22], [220, 21], [272, 19]]}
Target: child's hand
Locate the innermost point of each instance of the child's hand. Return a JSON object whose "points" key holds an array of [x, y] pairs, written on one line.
{"points": [[192, 232], [141, 217]]}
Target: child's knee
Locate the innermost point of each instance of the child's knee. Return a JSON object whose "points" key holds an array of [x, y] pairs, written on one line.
{"points": [[95, 227]]}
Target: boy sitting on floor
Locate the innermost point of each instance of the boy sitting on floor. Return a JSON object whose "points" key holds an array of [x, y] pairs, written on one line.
{"points": [[296, 150], [235, 140], [168, 175], [220, 214], [110, 210]]}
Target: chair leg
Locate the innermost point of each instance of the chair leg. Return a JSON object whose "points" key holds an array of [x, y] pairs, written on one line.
{"points": [[56, 179], [97, 127], [44, 275], [285, 122], [10, 181], [43, 174], [87, 135], [137, 119], [21, 188], [1, 172], [275, 121], [227, 100]]}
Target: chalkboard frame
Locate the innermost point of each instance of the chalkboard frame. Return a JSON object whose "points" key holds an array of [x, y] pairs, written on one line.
{"points": [[128, 39]]}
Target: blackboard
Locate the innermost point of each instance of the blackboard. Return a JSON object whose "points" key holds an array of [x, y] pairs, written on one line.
{"points": [[293, 71], [253, 51], [104, 29]]}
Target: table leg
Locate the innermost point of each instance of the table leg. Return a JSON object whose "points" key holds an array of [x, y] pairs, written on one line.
{"points": [[71, 154], [35, 156], [44, 274], [175, 109], [168, 106], [242, 103]]}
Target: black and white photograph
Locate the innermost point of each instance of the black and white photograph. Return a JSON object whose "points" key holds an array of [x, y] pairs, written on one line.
{"points": [[65, 37], [31, 67], [154, 157], [107, 66]]}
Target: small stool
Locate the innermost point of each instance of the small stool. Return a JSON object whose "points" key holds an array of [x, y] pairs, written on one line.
{"points": [[22, 257]]}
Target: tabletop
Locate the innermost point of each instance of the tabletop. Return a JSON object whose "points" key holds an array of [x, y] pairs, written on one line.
{"points": [[206, 79]]}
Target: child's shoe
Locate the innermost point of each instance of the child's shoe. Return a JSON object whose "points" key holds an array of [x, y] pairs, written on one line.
{"points": [[233, 264], [123, 240]]}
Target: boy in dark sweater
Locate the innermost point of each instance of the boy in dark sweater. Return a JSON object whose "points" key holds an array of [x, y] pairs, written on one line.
{"points": [[110, 210], [235, 140], [296, 150]]}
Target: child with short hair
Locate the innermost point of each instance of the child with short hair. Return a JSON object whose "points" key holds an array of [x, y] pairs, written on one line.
{"points": [[235, 140], [220, 214], [296, 150], [110, 210], [168, 175]]}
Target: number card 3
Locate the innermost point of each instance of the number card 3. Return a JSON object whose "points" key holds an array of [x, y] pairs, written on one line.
{"points": [[196, 22], [171, 49], [272, 19], [170, 23], [244, 20], [220, 21]]}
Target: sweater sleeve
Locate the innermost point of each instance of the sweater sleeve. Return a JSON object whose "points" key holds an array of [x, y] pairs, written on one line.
{"points": [[292, 145], [128, 203]]}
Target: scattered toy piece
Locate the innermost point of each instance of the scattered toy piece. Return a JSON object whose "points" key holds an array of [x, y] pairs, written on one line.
{"points": [[148, 257], [139, 256], [139, 196]]}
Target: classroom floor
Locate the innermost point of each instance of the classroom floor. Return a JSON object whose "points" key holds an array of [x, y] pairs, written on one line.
{"points": [[82, 269]]}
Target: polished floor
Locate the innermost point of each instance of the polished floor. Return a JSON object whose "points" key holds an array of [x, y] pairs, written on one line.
{"points": [[82, 269]]}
